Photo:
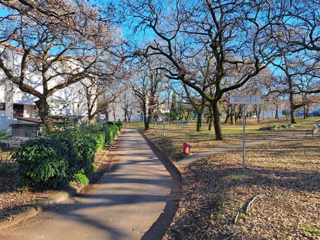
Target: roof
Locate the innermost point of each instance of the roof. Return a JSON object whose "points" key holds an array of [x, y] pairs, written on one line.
{"points": [[33, 120], [24, 125], [36, 120]]}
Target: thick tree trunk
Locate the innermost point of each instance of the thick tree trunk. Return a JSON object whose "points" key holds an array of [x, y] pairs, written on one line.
{"points": [[199, 121], [44, 114], [199, 112], [125, 115], [90, 120], [145, 118], [216, 122]]}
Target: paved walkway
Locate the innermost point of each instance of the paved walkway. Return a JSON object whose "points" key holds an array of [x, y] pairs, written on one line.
{"points": [[125, 205]]}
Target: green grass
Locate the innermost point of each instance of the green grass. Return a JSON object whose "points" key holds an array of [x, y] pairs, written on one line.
{"points": [[310, 230]]}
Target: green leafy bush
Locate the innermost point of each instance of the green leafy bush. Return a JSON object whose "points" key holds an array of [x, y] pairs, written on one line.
{"points": [[84, 147], [109, 123], [81, 178], [4, 135], [57, 158], [110, 133], [94, 168], [95, 132], [119, 124], [44, 162]]}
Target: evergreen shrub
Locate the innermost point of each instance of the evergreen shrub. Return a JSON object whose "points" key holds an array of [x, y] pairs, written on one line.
{"points": [[44, 162], [56, 159]]}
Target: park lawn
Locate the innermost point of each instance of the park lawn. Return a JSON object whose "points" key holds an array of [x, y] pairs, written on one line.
{"points": [[276, 197], [171, 138]]}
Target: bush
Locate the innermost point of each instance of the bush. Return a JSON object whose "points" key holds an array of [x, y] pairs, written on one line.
{"points": [[95, 132], [109, 123], [84, 147], [81, 178], [110, 133], [58, 158], [119, 124], [44, 162]]}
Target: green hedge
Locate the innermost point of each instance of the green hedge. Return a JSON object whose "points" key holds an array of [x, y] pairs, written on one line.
{"points": [[110, 133], [85, 147], [56, 159], [45, 162], [119, 124]]}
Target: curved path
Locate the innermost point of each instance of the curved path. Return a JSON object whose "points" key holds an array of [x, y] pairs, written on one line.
{"points": [[136, 201]]}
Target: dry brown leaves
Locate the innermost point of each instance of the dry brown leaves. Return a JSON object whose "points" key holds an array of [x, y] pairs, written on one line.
{"points": [[283, 179], [13, 200]]}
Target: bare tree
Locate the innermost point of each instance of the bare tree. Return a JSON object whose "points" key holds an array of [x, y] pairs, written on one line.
{"points": [[297, 35], [63, 42], [232, 33], [147, 85], [128, 104], [99, 95]]}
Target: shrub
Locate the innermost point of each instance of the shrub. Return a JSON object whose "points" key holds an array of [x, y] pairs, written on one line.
{"points": [[44, 162], [81, 178], [119, 124], [109, 123], [110, 133], [84, 147], [94, 168], [56, 159], [95, 132]]}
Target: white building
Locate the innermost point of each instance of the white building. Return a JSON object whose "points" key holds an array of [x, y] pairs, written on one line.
{"points": [[18, 110]]}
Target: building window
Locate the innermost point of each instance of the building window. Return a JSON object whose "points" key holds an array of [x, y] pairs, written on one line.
{"points": [[2, 106], [17, 110]]}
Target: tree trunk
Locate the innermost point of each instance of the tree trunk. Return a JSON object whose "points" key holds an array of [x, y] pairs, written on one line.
{"points": [[216, 122], [210, 119], [90, 120], [199, 119], [145, 118], [227, 118], [199, 122], [258, 111], [276, 116], [44, 114], [125, 115], [292, 108]]}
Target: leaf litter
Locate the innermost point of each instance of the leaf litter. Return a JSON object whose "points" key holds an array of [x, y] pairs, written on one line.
{"points": [[276, 197]]}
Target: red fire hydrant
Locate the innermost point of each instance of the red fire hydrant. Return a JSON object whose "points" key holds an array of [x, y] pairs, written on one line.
{"points": [[186, 147]]}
